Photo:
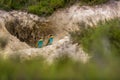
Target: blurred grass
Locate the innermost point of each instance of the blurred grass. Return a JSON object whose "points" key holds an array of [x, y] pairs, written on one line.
{"points": [[102, 38], [43, 7], [63, 68], [39, 7], [37, 69], [93, 2], [102, 43]]}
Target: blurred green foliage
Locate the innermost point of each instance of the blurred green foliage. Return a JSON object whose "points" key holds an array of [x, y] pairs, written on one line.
{"points": [[63, 68], [46, 7], [93, 2], [39, 7], [103, 44], [43, 7], [104, 35]]}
